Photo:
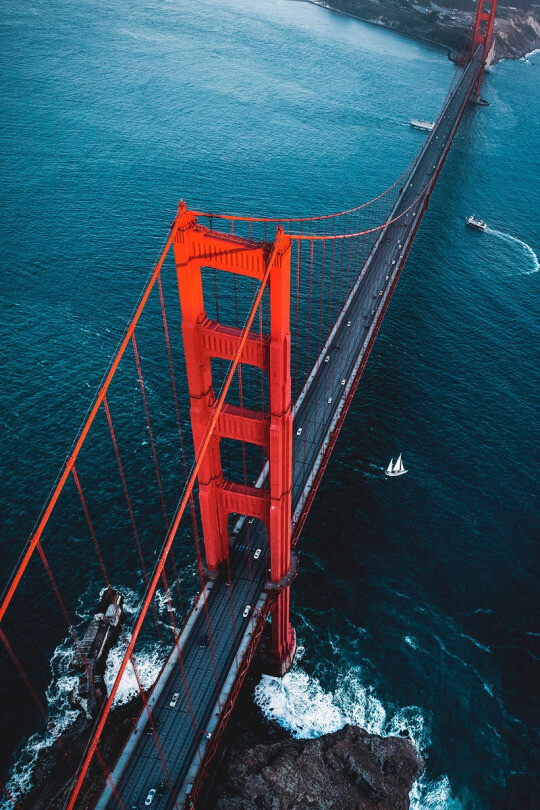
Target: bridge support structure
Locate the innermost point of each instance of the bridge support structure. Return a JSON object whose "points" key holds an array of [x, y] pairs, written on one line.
{"points": [[195, 248], [483, 29]]}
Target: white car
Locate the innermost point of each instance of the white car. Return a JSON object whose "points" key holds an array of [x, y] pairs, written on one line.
{"points": [[246, 611], [174, 700], [257, 554], [150, 798]]}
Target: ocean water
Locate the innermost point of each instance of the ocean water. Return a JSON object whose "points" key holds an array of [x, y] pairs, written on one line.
{"points": [[415, 605]]}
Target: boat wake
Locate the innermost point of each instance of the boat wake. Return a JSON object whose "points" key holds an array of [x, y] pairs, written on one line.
{"points": [[299, 703], [527, 248]]}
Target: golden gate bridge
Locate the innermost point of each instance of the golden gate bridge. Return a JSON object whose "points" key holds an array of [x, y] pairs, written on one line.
{"points": [[267, 396]]}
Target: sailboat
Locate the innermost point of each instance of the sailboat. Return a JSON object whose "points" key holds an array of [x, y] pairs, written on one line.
{"points": [[397, 468]]}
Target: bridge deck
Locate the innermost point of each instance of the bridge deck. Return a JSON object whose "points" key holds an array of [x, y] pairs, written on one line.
{"points": [[183, 730]]}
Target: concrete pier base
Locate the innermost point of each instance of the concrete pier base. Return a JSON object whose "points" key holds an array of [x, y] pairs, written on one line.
{"points": [[481, 102], [269, 664]]}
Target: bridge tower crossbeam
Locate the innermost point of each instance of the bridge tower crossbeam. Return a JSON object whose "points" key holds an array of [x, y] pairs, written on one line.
{"points": [[195, 248]]}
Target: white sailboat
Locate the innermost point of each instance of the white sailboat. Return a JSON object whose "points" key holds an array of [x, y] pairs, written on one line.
{"points": [[397, 468]]}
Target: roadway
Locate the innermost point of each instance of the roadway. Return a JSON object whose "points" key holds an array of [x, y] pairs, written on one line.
{"points": [[229, 608]]}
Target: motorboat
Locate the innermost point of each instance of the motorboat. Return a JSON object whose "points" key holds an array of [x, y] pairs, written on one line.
{"points": [[427, 126], [477, 224]]}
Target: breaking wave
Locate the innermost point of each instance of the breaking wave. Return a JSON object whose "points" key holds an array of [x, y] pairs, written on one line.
{"points": [[299, 704], [148, 661], [61, 714], [527, 248]]}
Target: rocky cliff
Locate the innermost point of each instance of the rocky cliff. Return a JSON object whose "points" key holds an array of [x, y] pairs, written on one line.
{"points": [[347, 770], [515, 34], [516, 31]]}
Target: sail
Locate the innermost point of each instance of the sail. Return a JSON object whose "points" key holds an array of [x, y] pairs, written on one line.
{"points": [[399, 465], [390, 468]]}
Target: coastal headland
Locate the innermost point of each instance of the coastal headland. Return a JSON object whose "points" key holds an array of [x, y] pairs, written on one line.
{"points": [[516, 31]]}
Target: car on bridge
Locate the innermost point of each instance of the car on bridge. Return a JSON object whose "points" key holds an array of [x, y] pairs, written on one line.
{"points": [[150, 798]]}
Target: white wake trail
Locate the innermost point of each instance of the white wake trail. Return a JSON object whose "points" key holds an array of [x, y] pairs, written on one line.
{"points": [[527, 248]]}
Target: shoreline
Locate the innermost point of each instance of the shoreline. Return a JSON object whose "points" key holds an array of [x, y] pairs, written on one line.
{"points": [[508, 28], [379, 24]]}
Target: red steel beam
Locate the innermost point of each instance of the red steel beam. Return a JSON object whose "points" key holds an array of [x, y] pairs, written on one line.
{"points": [[220, 341], [244, 425], [241, 499]]}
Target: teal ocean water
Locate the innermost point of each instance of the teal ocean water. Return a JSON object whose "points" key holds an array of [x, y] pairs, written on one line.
{"points": [[416, 603]]}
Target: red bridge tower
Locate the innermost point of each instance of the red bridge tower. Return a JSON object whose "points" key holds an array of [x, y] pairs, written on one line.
{"points": [[196, 247], [483, 29]]}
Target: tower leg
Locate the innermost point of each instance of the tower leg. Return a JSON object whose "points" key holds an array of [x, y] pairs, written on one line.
{"points": [[483, 29], [201, 391], [283, 645]]}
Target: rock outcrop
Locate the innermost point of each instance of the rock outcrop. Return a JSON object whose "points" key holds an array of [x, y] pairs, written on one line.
{"points": [[347, 770], [514, 35]]}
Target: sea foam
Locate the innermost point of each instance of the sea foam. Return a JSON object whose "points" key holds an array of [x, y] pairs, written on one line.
{"points": [[535, 267], [148, 661], [299, 704]]}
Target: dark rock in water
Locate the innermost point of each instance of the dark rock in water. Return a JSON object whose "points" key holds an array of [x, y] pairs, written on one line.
{"points": [[347, 770]]}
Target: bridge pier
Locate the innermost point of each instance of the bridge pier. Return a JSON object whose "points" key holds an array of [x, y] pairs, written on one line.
{"points": [[280, 657]]}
